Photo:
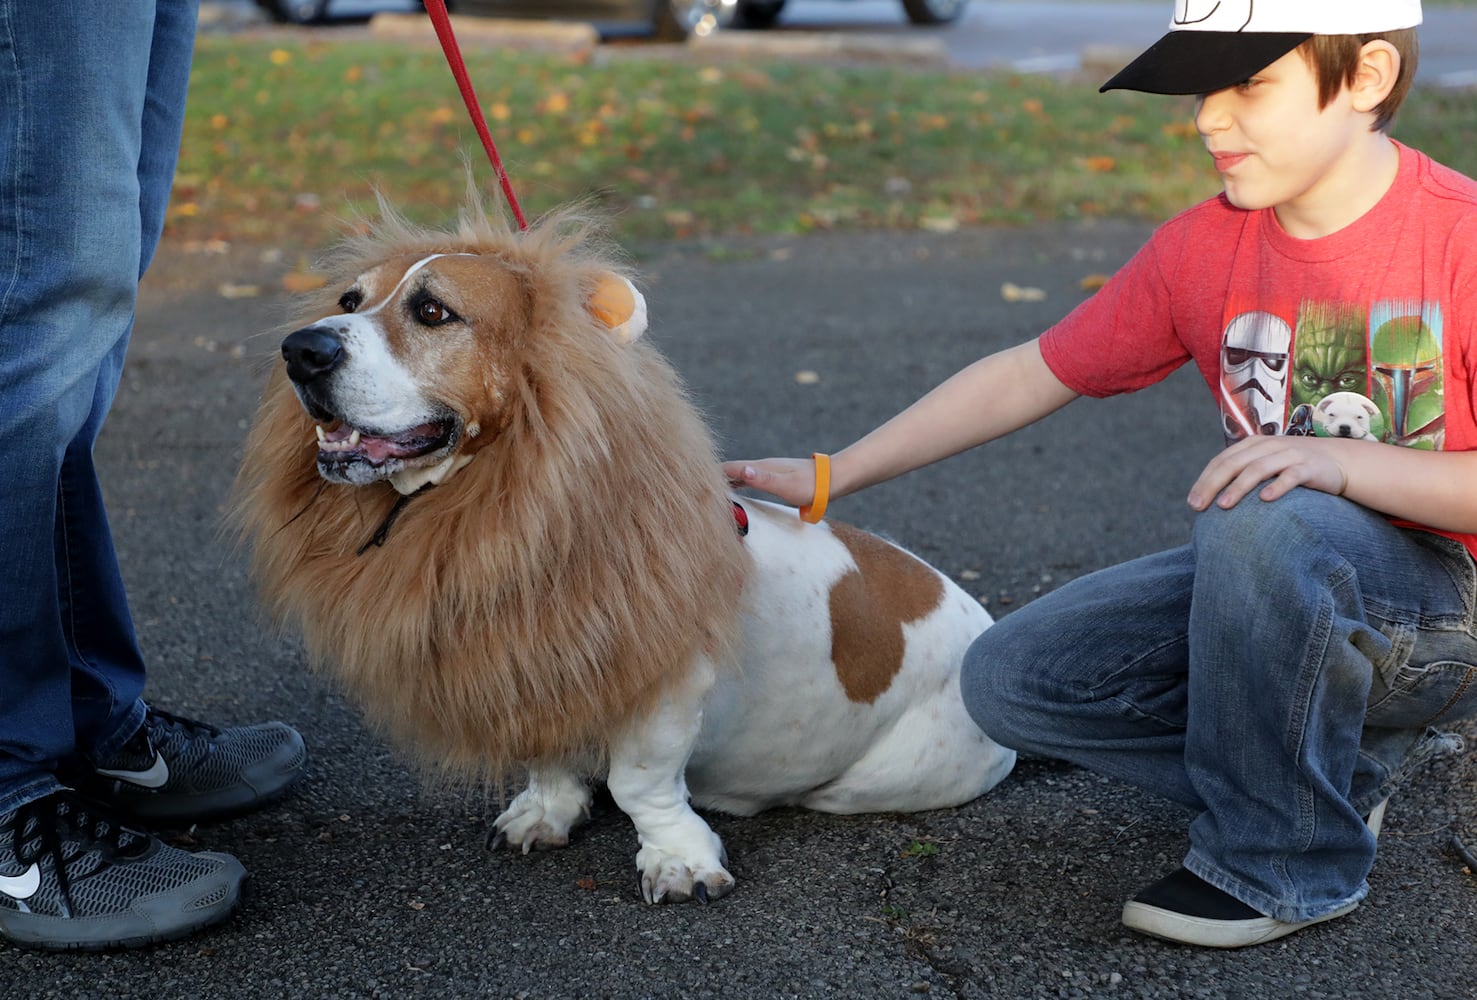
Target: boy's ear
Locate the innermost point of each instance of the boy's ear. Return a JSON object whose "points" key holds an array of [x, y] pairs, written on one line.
{"points": [[1375, 75]]}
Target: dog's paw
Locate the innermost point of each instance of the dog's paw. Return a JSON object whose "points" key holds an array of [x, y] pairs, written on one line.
{"points": [[669, 877], [536, 819]]}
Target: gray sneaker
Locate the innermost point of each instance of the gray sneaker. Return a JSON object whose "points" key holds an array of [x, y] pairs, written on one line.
{"points": [[71, 877], [176, 770]]}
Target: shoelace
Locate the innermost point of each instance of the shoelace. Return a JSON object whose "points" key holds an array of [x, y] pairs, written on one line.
{"points": [[63, 811], [159, 725]]}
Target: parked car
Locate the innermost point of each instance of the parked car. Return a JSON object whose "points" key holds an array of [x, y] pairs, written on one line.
{"points": [[666, 18]]}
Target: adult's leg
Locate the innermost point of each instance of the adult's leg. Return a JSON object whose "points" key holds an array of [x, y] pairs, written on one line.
{"points": [[74, 79], [107, 669]]}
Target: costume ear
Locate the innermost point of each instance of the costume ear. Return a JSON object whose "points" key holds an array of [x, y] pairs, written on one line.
{"points": [[618, 305]]}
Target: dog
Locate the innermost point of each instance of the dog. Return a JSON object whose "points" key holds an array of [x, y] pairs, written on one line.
{"points": [[1347, 415], [493, 511]]}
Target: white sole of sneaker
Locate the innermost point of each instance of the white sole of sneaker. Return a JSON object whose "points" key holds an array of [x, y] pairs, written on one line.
{"points": [[1376, 818], [1182, 929]]}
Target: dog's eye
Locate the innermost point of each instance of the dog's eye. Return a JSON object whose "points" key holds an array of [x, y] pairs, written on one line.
{"points": [[432, 313], [349, 301]]}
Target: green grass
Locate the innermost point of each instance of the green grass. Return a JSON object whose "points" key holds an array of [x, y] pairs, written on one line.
{"points": [[285, 140]]}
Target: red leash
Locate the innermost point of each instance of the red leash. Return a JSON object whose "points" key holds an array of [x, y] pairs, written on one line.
{"points": [[442, 21]]}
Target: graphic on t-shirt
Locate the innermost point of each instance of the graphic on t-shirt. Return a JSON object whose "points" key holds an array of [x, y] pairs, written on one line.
{"points": [[1347, 415], [1405, 368], [1336, 371], [1330, 355], [1254, 375]]}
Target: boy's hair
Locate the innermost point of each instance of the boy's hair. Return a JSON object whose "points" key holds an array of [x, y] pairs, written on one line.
{"points": [[1335, 62]]}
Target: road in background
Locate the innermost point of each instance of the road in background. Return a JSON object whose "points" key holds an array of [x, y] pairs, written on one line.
{"points": [[1044, 37]]}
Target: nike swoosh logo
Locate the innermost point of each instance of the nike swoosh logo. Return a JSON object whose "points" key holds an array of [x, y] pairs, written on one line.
{"points": [[22, 886], [154, 777]]}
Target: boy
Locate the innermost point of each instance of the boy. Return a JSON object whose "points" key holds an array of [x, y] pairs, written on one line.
{"points": [[1279, 673]]}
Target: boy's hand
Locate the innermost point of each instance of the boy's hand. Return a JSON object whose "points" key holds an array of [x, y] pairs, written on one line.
{"points": [[790, 479], [1285, 461]]}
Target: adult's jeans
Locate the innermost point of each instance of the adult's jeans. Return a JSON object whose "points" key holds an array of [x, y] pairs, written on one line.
{"points": [[92, 99], [1278, 675]]}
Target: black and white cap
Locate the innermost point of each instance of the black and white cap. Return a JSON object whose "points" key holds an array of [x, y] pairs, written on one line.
{"points": [[1213, 44]]}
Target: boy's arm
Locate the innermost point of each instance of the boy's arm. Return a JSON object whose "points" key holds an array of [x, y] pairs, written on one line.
{"points": [[992, 397], [1437, 489]]}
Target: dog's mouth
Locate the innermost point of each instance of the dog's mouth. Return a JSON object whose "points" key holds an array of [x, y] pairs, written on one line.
{"points": [[341, 445]]}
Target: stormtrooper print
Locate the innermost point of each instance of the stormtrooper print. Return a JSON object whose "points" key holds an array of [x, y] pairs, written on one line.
{"points": [[1254, 352]]}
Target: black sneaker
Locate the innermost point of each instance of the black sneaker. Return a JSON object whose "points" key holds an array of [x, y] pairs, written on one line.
{"points": [[176, 770], [1184, 907], [71, 877]]}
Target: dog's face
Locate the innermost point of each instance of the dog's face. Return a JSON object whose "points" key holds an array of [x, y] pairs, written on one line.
{"points": [[413, 366], [1345, 414], [374, 376]]}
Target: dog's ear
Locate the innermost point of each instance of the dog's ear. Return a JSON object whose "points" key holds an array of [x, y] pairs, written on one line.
{"points": [[1368, 405], [1323, 405], [616, 303]]}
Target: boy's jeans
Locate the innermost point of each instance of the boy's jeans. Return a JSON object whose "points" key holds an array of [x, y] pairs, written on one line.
{"points": [[1276, 675], [92, 99]]}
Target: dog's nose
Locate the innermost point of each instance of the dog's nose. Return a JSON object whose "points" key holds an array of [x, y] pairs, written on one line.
{"points": [[311, 352]]}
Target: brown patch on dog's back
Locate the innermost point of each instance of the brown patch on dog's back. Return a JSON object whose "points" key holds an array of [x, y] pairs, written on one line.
{"points": [[869, 607]]}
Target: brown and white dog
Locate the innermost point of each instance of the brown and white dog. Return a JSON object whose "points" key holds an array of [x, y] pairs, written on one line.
{"points": [[567, 593]]}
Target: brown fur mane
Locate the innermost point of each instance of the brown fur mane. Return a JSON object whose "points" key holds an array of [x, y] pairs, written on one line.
{"points": [[531, 604]]}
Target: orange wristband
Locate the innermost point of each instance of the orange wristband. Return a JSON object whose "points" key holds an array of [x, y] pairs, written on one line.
{"points": [[816, 509]]}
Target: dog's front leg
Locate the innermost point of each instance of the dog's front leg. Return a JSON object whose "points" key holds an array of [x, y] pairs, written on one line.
{"points": [[542, 815], [681, 858]]}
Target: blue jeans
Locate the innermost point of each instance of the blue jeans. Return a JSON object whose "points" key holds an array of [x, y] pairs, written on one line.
{"points": [[1277, 675], [92, 100]]}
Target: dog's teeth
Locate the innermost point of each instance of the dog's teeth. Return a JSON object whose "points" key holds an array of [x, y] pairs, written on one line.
{"points": [[321, 436], [354, 439]]}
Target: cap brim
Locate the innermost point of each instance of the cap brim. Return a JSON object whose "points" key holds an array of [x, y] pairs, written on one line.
{"points": [[1199, 62]]}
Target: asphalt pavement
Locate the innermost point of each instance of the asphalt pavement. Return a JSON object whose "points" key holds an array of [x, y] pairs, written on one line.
{"points": [[369, 882]]}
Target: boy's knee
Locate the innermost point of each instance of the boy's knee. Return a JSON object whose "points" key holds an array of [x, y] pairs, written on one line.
{"points": [[1257, 533], [990, 683]]}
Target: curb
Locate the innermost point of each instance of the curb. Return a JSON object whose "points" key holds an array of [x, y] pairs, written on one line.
{"points": [[819, 45], [560, 37]]}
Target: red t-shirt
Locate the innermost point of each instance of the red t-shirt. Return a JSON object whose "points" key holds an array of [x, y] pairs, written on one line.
{"points": [[1369, 332]]}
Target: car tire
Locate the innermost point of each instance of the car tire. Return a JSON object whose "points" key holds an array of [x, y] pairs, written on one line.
{"points": [[295, 11], [758, 13], [674, 20], [934, 11]]}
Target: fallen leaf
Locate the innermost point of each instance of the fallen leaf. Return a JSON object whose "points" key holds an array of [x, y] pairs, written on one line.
{"points": [[939, 224], [806, 377], [1012, 292], [303, 281], [1093, 282], [230, 291]]}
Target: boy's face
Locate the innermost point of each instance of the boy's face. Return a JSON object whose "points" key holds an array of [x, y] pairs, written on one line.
{"points": [[1271, 142]]}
